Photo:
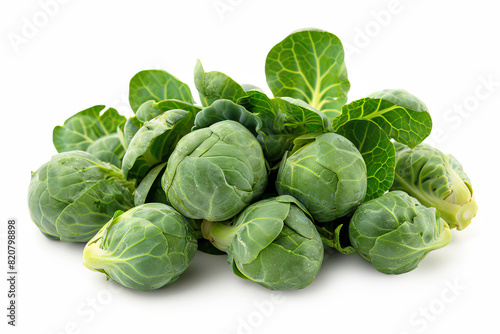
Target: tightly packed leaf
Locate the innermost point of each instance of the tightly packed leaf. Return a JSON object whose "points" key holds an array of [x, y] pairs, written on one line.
{"points": [[394, 232], [436, 180], [144, 248], [268, 180], [215, 172], [326, 173], [272, 242], [74, 194]]}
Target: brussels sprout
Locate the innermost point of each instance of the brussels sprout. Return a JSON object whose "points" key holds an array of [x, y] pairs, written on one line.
{"points": [[144, 248], [272, 242], [326, 173], [74, 194], [436, 180], [154, 141], [215, 172], [394, 232]]}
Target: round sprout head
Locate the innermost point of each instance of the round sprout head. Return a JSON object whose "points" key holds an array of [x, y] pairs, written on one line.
{"points": [[215, 172], [436, 180], [272, 242], [144, 248], [327, 174], [74, 194], [394, 232]]}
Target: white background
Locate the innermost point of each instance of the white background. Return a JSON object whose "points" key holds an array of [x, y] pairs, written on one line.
{"points": [[85, 52]]}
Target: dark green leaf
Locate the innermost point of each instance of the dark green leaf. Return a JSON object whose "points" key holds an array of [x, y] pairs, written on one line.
{"points": [[401, 115], [378, 152]]}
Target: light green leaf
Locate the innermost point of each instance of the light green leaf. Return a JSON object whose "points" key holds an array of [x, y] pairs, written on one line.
{"points": [[436, 180], [157, 85], [84, 217], [70, 174], [257, 227], [309, 65], [401, 250], [84, 128]]}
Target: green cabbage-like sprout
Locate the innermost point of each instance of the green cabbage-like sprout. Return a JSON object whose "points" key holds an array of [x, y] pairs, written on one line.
{"points": [[145, 248], [215, 172], [394, 232], [436, 180], [326, 173], [272, 242], [74, 194]]}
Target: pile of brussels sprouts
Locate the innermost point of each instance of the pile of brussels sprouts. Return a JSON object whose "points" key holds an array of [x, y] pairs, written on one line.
{"points": [[267, 181]]}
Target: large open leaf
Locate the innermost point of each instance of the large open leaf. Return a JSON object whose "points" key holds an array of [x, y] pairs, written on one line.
{"points": [[309, 65], [93, 130], [400, 114], [82, 129], [157, 85]]}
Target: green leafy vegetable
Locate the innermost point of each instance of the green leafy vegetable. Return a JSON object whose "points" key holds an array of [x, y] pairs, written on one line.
{"points": [[266, 180], [73, 195], [394, 232], [401, 115], [94, 131], [215, 172], [377, 151], [436, 180], [326, 173], [144, 248], [157, 85], [309, 65], [215, 85], [154, 141], [272, 242], [150, 190]]}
